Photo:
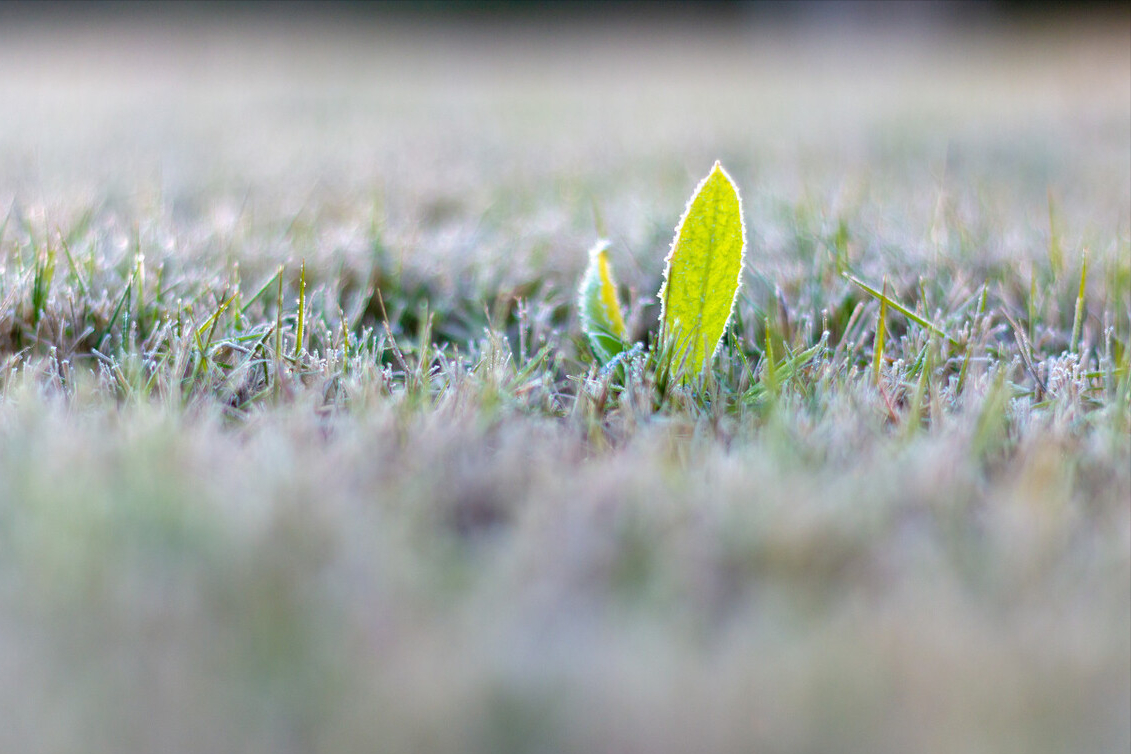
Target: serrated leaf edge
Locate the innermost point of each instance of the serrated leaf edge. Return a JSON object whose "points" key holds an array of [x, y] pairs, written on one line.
{"points": [[663, 293]]}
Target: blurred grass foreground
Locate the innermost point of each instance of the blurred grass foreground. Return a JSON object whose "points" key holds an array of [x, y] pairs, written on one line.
{"points": [[302, 448]]}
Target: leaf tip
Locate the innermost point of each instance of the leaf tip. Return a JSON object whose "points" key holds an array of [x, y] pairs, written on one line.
{"points": [[599, 248]]}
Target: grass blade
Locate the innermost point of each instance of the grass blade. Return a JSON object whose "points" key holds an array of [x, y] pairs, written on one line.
{"points": [[1078, 314], [300, 325], [878, 345], [917, 319]]}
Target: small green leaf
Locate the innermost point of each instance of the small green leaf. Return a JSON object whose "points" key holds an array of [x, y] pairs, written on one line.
{"points": [[601, 317], [703, 271]]}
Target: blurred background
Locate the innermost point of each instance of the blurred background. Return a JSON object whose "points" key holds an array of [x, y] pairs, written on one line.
{"points": [[165, 580], [452, 119]]}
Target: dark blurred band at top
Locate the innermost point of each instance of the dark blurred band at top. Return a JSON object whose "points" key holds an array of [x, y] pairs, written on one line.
{"points": [[543, 13]]}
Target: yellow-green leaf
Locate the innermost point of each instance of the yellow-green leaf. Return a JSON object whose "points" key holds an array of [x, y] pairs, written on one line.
{"points": [[703, 271], [601, 317]]}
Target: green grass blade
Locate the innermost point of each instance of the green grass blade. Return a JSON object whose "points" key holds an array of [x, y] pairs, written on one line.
{"points": [[117, 310], [300, 325], [917, 319], [1078, 314], [262, 289], [878, 345], [74, 267]]}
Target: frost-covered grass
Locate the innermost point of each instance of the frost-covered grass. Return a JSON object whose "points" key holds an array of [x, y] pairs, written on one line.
{"points": [[302, 447]]}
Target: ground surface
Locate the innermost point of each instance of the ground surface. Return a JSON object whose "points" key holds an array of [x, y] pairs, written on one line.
{"points": [[431, 524]]}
